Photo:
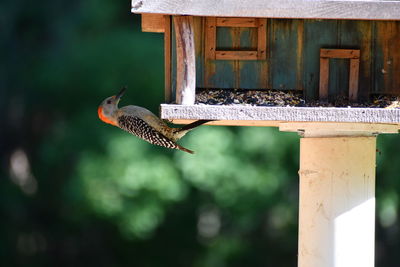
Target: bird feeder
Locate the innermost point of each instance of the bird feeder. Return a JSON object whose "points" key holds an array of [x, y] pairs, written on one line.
{"points": [[321, 49]]}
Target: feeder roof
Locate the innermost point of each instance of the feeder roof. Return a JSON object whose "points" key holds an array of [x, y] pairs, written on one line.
{"points": [[311, 9]]}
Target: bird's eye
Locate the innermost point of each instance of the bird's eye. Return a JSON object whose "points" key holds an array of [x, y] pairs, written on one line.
{"points": [[108, 101]]}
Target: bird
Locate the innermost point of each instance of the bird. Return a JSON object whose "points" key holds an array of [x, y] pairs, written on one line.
{"points": [[142, 123]]}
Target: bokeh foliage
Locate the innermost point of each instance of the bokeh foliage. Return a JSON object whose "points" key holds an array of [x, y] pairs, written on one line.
{"points": [[77, 192]]}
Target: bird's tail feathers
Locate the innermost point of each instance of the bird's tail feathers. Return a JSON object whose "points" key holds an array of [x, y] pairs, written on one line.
{"points": [[185, 149], [180, 132], [193, 125]]}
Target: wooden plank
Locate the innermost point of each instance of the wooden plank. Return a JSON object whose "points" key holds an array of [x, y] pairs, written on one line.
{"points": [[387, 61], [153, 23], [300, 56], [236, 55], [186, 60], [285, 58], [199, 32], [323, 79], [237, 41], [353, 81], [236, 22], [356, 35], [339, 53], [288, 114], [261, 39], [317, 34], [174, 63], [209, 53], [210, 37], [321, 9], [263, 65], [167, 59]]}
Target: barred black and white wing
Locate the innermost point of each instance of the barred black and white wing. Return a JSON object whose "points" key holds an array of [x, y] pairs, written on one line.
{"points": [[141, 129]]}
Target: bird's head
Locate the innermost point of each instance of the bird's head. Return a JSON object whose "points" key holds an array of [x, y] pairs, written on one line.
{"points": [[107, 108]]}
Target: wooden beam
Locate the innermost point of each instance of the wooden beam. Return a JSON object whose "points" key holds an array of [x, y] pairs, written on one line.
{"points": [[316, 9], [353, 80], [236, 55], [153, 23], [262, 39], [236, 22], [210, 38], [186, 60], [167, 59], [323, 78], [340, 53], [210, 32]]}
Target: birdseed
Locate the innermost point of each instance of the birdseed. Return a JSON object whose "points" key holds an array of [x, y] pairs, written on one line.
{"points": [[280, 98]]}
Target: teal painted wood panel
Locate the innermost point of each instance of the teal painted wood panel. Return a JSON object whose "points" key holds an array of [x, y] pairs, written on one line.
{"points": [[317, 34], [292, 62], [246, 38], [338, 77], [250, 72], [387, 62], [250, 75], [286, 54], [225, 75], [359, 35]]}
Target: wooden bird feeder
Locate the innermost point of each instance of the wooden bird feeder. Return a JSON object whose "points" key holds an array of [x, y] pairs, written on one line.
{"points": [[321, 48]]}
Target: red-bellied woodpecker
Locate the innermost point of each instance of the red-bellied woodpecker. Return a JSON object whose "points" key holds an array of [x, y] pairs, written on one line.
{"points": [[143, 123]]}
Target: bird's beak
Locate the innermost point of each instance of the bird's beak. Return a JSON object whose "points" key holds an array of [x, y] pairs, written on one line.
{"points": [[120, 94]]}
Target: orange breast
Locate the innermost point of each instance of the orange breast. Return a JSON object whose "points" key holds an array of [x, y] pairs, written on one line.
{"points": [[104, 118]]}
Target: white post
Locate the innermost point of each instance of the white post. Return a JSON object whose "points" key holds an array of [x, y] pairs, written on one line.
{"points": [[337, 202], [337, 192]]}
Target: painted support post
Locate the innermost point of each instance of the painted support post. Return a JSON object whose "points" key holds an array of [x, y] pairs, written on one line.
{"points": [[337, 202], [186, 61], [337, 192]]}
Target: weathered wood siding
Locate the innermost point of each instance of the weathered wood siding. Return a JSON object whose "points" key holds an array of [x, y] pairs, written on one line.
{"points": [[292, 61]]}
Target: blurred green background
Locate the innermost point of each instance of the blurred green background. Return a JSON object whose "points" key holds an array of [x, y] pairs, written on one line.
{"points": [[77, 192]]}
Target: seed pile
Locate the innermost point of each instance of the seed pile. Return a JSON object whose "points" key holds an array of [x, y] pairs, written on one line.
{"points": [[278, 98]]}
